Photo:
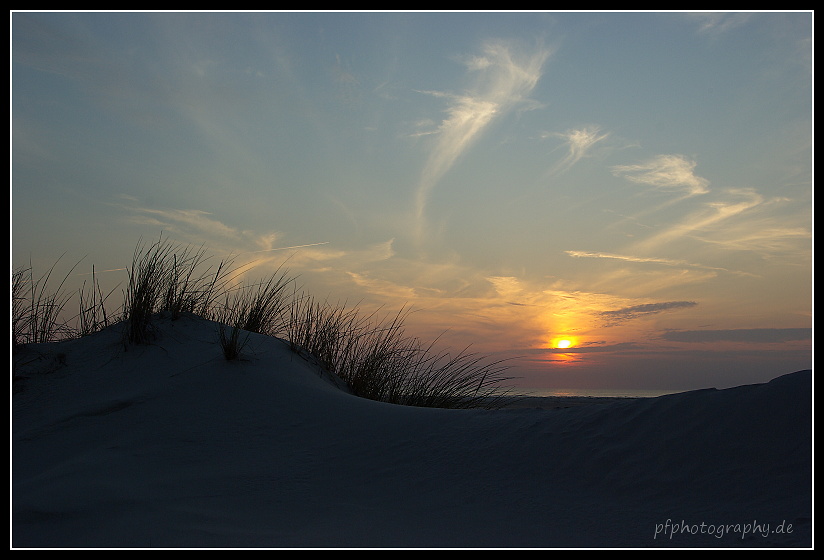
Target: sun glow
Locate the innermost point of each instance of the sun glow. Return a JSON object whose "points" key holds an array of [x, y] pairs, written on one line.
{"points": [[562, 342]]}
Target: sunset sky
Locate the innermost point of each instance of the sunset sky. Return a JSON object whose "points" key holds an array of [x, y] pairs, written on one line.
{"points": [[638, 185]]}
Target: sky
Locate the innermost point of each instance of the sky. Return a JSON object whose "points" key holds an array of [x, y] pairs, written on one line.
{"points": [[607, 200]]}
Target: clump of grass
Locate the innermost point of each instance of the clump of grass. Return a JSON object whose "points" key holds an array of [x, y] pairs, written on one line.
{"points": [[36, 307], [92, 315], [463, 380], [266, 304], [322, 332], [168, 277], [257, 308], [231, 334], [379, 361], [189, 287], [390, 366], [19, 318], [147, 283]]}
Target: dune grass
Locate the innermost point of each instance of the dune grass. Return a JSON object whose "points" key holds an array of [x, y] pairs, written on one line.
{"points": [[372, 355], [92, 315], [256, 308], [231, 334], [169, 277], [379, 361], [37, 307]]}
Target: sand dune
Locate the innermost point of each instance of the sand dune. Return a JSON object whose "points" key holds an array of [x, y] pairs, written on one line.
{"points": [[170, 445]]}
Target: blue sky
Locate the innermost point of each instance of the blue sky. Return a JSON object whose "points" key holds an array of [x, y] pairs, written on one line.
{"points": [[639, 184]]}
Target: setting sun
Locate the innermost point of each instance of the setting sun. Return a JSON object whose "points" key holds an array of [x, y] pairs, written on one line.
{"points": [[562, 342]]}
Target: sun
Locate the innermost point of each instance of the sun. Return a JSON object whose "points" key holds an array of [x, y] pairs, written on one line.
{"points": [[563, 342]]}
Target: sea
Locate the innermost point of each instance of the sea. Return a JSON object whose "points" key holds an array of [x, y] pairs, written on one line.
{"points": [[600, 393]]}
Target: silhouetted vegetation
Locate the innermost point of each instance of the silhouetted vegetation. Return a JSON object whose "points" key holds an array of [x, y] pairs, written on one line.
{"points": [[373, 356]]}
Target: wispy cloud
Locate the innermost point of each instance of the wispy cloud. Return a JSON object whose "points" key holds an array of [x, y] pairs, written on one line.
{"points": [[731, 219], [747, 221], [643, 260], [706, 220], [291, 247], [191, 223], [578, 143], [503, 78], [635, 311], [719, 22], [201, 227], [320, 265], [772, 239], [634, 283], [739, 335], [668, 173], [383, 288], [508, 287]]}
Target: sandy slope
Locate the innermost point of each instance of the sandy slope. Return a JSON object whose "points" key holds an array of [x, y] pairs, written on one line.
{"points": [[169, 445]]}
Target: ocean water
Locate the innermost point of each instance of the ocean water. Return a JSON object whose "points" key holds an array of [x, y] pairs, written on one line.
{"points": [[614, 393]]}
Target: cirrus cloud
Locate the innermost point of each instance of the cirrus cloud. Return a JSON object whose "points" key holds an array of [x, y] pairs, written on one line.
{"points": [[759, 336], [666, 172], [635, 311], [503, 78], [578, 143]]}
